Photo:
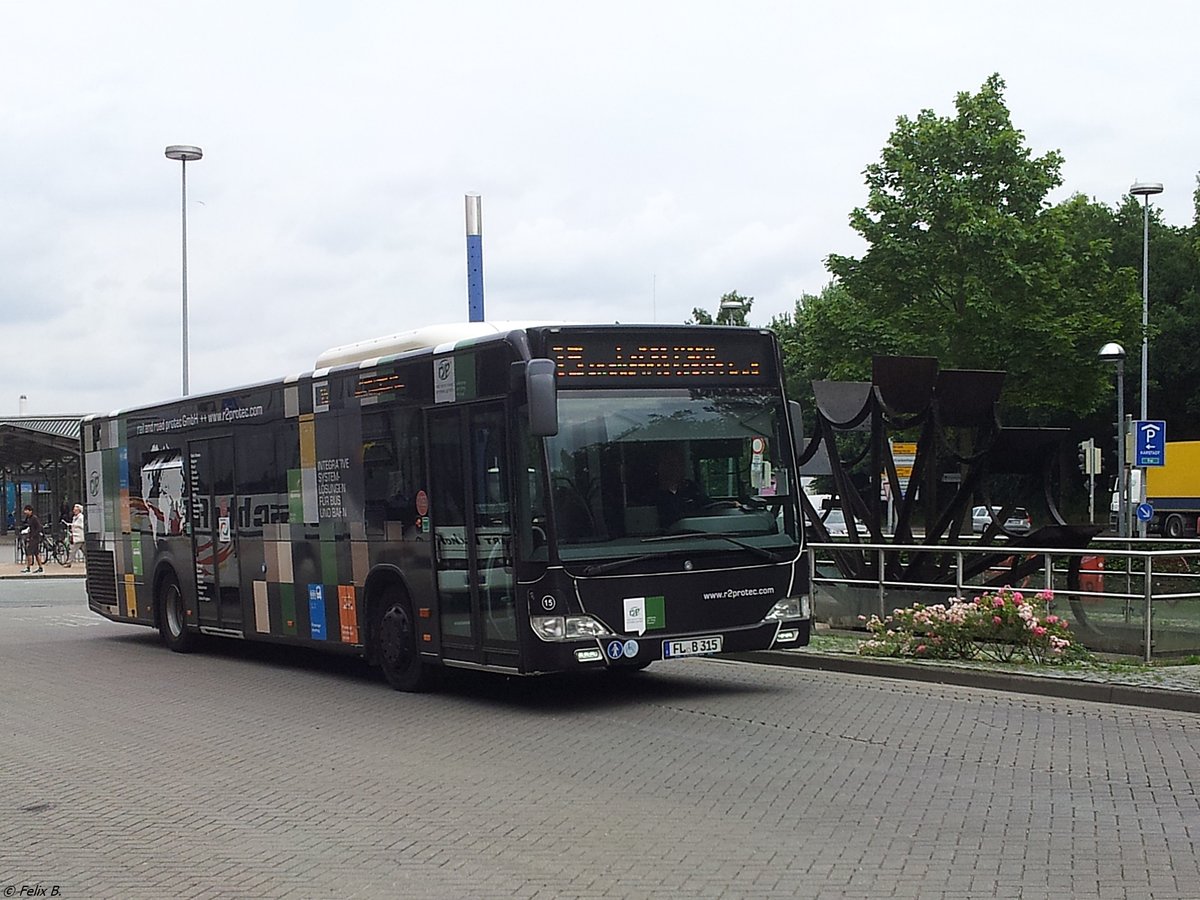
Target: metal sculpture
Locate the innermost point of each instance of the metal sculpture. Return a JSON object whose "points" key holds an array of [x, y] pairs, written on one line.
{"points": [[960, 447]]}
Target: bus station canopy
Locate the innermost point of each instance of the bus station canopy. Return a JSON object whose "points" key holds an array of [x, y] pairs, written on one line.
{"points": [[33, 444]]}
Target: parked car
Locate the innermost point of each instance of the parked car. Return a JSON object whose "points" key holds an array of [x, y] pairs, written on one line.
{"points": [[1018, 522], [981, 518], [835, 522]]}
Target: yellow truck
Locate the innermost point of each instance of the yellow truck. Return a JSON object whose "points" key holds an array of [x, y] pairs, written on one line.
{"points": [[1173, 490]]}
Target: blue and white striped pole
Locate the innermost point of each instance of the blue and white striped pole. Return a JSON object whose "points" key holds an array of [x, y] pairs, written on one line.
{"points": [[475, 257]]}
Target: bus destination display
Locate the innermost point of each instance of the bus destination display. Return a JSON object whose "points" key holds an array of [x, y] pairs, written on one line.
{"points": [[591, 359]]}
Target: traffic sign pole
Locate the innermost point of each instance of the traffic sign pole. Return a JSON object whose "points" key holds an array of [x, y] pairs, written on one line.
{"points": [[1092, 498], [1149, 451]]}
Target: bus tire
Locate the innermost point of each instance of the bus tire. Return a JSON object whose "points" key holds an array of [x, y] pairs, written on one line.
{"points": [[1173, 527], [172, 615], [396, 642]]}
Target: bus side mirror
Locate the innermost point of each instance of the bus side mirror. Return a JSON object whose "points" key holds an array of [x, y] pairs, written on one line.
{"points": [[797, 427], [541, 390]]}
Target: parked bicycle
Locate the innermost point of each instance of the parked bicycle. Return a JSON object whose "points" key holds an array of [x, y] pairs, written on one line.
{"points": [[57, 546]]}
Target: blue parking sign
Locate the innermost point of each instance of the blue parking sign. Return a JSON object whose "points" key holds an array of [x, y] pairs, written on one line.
{"points": [[1149, 442]]}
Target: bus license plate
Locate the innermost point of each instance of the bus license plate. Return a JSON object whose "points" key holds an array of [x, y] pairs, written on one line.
{"points": [[692, 647]]}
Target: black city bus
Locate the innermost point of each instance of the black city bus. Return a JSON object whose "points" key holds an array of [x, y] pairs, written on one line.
{"points": [[479, 496]]}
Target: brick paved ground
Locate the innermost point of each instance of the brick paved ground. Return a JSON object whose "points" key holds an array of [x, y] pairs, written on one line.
{"points": [[127, 771]]}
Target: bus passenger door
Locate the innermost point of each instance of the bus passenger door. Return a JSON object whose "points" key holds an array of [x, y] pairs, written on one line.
{"points": [[215, 533], [472, 520]]}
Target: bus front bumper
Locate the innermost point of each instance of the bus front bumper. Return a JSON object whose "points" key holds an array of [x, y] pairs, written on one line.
{"points": [[636, 651]]}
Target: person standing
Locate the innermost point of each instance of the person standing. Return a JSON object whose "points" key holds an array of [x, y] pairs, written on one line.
{"points": [[33, 540], [77, 533]]}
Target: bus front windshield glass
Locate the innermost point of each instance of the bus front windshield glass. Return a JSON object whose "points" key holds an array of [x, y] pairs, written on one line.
{"points": [[639, 471]]}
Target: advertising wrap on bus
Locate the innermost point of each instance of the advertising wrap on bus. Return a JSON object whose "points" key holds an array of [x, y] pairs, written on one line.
{"points": [[521, 500]]}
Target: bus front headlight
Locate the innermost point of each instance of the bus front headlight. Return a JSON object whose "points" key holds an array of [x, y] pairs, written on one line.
{"points": [[788, 608], [548, 628], [566, 628], [584, 627]]}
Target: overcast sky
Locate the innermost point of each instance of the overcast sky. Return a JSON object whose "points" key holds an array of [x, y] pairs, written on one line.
{"points": [[635, 159]]}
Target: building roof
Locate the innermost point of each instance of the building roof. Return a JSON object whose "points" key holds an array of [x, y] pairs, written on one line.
{"points": [[30, 440], [57, 426]]}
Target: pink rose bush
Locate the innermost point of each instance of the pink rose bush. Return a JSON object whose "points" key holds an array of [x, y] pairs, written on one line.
{"points": [[1000, 626]]}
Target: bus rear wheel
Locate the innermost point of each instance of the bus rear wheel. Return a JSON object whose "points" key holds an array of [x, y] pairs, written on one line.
{"points": [[398, 655], [172, 616]]}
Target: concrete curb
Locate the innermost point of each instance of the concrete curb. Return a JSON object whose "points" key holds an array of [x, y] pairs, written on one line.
{"points": [[1066, 688], [33, 576]]}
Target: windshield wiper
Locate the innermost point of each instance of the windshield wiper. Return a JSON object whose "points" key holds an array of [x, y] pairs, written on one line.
{"points": [[760, 551], [601, 568]]}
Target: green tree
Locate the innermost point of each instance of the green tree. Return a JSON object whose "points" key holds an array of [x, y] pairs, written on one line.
{"points": [[968, 262], [821, 340], [734, 309]]}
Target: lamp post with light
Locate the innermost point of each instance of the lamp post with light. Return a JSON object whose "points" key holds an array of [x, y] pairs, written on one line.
{"points": [[1114, 353], [185, 153], [732, 309], [1145, 190]]}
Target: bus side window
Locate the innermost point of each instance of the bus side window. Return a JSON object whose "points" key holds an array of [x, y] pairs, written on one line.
{"points": [[392, 463], [408, 478], [377, 462]]}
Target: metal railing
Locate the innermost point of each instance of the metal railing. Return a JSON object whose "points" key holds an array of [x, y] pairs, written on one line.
{"points": [[1137, 597]]}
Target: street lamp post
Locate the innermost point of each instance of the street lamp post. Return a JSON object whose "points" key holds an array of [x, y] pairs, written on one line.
{"points": [[1115, 353], [732, 308], [185, 153], [1145, 189]]}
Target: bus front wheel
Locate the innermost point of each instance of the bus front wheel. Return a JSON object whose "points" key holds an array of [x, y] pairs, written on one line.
{"points": [[172, 616], [398, 656]]}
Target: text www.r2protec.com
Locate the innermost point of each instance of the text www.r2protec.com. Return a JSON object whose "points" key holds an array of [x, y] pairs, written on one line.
{"points": [[730, 593]]}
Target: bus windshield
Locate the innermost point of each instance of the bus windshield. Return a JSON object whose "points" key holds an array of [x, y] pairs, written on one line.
{"points": [[641, 471]]}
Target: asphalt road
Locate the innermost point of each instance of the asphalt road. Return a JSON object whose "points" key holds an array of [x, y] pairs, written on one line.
{"points": [[128, 771]]}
